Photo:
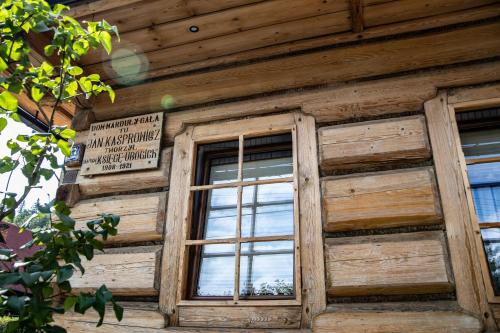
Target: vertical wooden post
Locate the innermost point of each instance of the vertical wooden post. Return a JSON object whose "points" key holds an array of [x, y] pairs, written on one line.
{"points": [[311, 230], [470, 288], [178, 204]]}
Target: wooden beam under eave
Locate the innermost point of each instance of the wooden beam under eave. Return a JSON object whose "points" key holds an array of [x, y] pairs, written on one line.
{"points": [[356, 8], [61, 118]]}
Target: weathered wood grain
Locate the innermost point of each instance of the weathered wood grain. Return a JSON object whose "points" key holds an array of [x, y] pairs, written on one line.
{"points": [[136, 314], [331, 66], [142, 216], [130, 181], [391, 321], [178, 206], [311, 241], [402, 10], [413, 263], [240, 317], [242, 18], [380, 200], [443, 134], [248, 45], [125, 70], [125, 273], [373, 143]]}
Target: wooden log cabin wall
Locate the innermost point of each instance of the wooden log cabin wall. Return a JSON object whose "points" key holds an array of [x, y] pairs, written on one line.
{"points": [[385, 233]]}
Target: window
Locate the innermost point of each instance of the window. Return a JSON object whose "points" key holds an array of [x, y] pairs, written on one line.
{"points": [[480, 139], [243, 238], [241, 244]]}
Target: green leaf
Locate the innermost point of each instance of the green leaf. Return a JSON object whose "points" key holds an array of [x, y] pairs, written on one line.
{"points": [[75, 70], [105, 39], [69, 302], [8, 101], [15, 116], [112, 94], [65, 147], [3, 124], [49, 50], [118, 311], [17, 303], [67, 133], [64, 273], [3, 65], [36, 93]]}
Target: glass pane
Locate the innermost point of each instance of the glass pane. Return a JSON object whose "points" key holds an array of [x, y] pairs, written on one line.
{"points": [[216, 275], [481, 143], [268, 169], [225, 173], [217, 163], [268, 157], [491, 241], [484, 179], [267, 269], [220, 215], [267, 210]]}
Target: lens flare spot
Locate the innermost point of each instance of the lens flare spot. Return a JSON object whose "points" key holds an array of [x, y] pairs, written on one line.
{"points": [[128, 66], [167, 102]]}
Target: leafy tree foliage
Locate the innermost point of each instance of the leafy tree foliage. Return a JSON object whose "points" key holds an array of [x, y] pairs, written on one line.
{"points": [[29, 286]]}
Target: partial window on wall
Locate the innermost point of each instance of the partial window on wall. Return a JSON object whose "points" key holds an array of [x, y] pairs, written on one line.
{"points": [[480, 139], [243, 224]]}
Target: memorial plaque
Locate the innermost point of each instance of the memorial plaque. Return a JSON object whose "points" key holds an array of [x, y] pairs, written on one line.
{"points": [[123, 145]]}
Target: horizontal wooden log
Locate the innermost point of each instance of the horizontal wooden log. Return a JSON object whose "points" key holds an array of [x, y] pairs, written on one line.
{"points": [[242, 18], [126, 70], [331, 66], [373, 143], [240, 317], [392, 321], [261, 43], [142, 216], [355, 100], [129, 271], [136, 314], [412, 263], [130, 181], [380, 200], [83, 327], [402, 10]]}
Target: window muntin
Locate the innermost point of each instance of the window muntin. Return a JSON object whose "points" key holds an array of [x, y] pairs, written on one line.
{"points": [[481, 149], [244, 201]]}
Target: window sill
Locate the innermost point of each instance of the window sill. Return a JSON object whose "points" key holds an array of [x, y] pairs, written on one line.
{"points": [[269, 302]]}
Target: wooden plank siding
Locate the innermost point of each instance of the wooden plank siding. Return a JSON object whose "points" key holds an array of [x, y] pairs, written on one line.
{"points": [[373, 143], [130, 181], [136, 314], [243, 18], [142, 216], [331, 66], [240, 317], [380, 200], [276, 38], [396, 321], [130, 271], [412, 263]]}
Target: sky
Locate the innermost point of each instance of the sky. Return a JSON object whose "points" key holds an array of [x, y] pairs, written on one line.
{"points": [[18, 181]]}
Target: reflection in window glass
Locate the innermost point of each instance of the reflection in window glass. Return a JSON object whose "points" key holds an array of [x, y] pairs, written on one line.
{"points": [[485, 183], [266, 269], [267, 210], [216, 275], [491, 240], [482, 150]]}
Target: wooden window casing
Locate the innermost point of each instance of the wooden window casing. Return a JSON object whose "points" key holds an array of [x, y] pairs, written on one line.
{"points": [[307, 237]]}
